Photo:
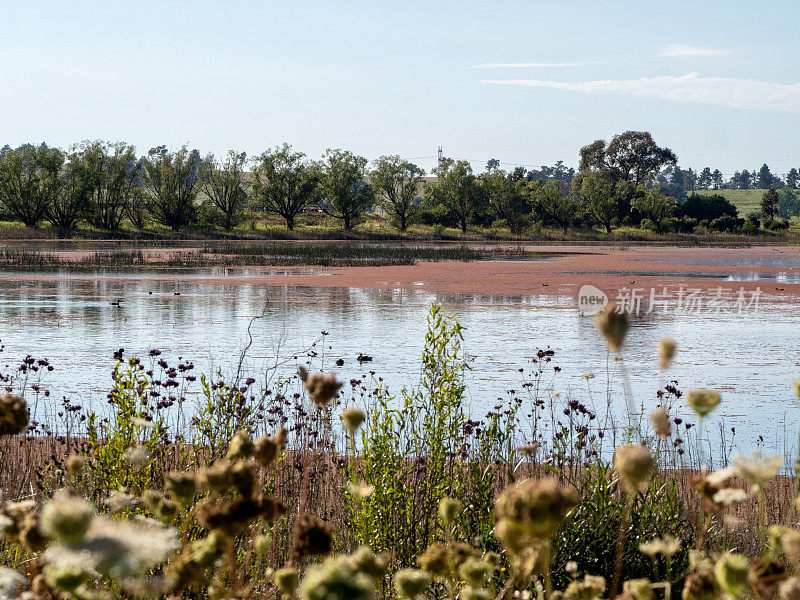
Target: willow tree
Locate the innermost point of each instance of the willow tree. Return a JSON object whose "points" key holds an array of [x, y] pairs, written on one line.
{"points": [[171, 180], [397, 182], [30, 181], [345, 193], [223, 182]]}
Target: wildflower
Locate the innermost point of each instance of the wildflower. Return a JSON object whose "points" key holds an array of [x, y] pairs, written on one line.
{"points": [[435, 560], [232, 516], [216, 478], [790, 589], [707, 490], [369, 563], [731, 572], [638, 589], [590, 588], [666, 351], [10, 582], [790, 543], [661, 422], [143, 423], [449, 509], [244, 474], [613, 324], [267, 448], [757, 470], [182, 486], [137, 455], [475, 571], [67, 578], [13, 414], [532, 510], [471, 593], [634, 465], [286, 580], [75, 464], [411, 583], [703, 402], [587, 375], [571, 567], [116, 548], [336, 579], [321, 387], [312, 536], [700, 585], [241, 446], [353, 418], [730, 496], [66, 518], [721, 476], [120, 500], [360, 491], [262, 544], [529, 449], [668, 545]]}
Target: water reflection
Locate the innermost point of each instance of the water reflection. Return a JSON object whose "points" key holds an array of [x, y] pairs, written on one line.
{"points": [[751, 358]]}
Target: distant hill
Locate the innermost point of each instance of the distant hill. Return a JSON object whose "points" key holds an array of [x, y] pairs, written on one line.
{"points": [[745, 201]]}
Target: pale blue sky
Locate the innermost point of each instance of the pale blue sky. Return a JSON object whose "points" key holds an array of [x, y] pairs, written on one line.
{"points": [[396, 77]]}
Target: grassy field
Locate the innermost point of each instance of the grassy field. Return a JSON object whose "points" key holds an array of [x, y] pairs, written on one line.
{"points": [[745, 201]]}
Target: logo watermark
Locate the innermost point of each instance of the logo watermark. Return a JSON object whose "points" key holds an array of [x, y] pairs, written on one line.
{"points": [[671, 300]]}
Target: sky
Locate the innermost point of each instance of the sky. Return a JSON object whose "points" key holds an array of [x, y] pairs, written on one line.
{"points": [[526, 82]]}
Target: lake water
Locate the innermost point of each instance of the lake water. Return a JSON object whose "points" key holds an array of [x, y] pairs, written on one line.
{"points": [[67, 317]]}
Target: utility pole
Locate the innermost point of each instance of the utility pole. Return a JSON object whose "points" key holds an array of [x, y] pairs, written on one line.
{"points": [[441, 156]]}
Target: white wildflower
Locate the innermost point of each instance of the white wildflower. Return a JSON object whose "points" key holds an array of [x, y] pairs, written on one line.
{"points": [[730, 496], [758, 469]]}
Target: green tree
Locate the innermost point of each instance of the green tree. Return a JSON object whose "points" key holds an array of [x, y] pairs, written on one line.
{"points": [[601, 199], [29, 181], [769, 204], [631, 156], [793, 178], [705, 179], [398, 181], [765, 177], [654, 205], [455, 188], [172, 182], [284, 183], [506, 200], [71, 199], [112, 173], [344, 191], [553, 202], [223, 182]]}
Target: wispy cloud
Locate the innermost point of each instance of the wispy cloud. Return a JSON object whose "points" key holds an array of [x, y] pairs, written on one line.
{"points": [[723, 91], [527, 65], [696, 51]]}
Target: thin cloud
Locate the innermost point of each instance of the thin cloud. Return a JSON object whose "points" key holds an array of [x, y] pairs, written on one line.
{"points": [[748, 94], [528, 65], [697, 51]]}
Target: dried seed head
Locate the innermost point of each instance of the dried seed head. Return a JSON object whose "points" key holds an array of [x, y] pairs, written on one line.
{"points": [[532, 510], [286, 580], [218, 477], [661, 422], [731, 572], [668, 545], [244, 476], [262, 544], [612, 322], [322, 387], [666, 351], [435, 560], [703, 402], [241, 446], [700, 585], [66, 518], [353, 418], [790, 589], [181, 485], [411, 583], [470, 593], [336, 579], [638, 589], [267, 448], [475, 571], [359, 491], [634, 465], [138, 456], [590, 588], [75, 464], [13, 414], [312, 536], [449, 509], [757, 470], [367, 562]]}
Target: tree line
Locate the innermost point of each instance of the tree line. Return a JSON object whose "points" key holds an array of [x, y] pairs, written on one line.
{"points": [[106, 185]]}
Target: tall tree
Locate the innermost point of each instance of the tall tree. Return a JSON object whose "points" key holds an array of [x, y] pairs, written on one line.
{"points": [[172, 182], [553, 202], [456, 189], [793, 178], [505, 199], [344, 191], [602, 200], [765, 177], [705, 179], [398, 183], [71, 199], [29, 181], [654, 205], [631, 156], [112, 173], [284, 183], [223, 182], [769, 204], [718, 179]]}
